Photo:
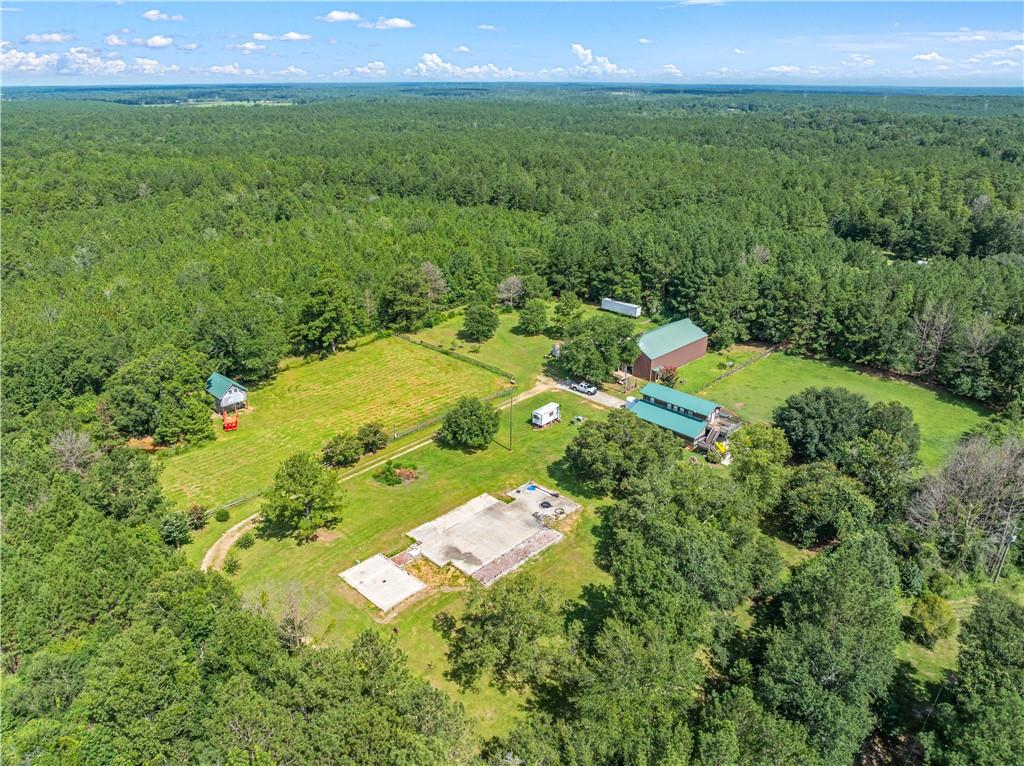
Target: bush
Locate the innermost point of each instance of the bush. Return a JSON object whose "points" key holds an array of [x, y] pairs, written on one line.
{"points": [[246, 541], [372, 437], [231, 563], [196, 516], [931, 618], [713, 456], [342, 450], [222, 514], [392, 474], [471, 424]]}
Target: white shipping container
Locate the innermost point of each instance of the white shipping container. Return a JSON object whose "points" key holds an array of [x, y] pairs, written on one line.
{"points": [[620, 307]]}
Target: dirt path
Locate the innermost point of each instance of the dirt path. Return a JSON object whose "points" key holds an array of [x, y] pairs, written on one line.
{"points": [[214, 558]]}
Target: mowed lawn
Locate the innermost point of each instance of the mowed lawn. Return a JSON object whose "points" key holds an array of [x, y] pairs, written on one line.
{"points": [[377, 517], [755, 392], [391, 381]]}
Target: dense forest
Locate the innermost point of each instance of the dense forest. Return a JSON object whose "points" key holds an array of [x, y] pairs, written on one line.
{"points": [[147, 242]]}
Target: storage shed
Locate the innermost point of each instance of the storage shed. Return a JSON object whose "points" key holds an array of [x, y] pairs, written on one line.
{"points": [[227, 394], [546, 415], [621, 307], [671, 345]]}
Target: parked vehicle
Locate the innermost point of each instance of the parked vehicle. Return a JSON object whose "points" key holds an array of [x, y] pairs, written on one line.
{"points": [[583, 387]]}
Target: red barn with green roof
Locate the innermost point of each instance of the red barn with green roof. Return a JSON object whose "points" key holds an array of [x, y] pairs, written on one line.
{"points": [[671, 345]]}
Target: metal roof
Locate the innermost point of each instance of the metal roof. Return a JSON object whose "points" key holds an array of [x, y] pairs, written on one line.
{"points": [[673, 421], [217, 385], [667, 338], [549, 407], [687, 401]]}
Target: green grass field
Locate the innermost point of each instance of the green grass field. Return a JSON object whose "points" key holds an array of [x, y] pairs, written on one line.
{"points": [[389, 380], [755, 392], [377, 517], [698, 374]]}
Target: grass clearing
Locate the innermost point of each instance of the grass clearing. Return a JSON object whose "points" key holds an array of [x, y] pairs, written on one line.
{"points": [[389, 380], [697, 375], [377, 517], [755, 392]]}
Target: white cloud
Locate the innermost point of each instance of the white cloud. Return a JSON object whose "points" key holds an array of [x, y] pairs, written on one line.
{"points": [[81, 60], [1006, 63], [999, 53], [672, 69], [225, 69], [591, 64], [247, 47], [371, 69], [967, 35], [159, 41], [383, 23], [784, 69], [432, 65], [155, 15], [296, 36], [859, 60], [48, 37], [462, 49], [114, 40], [337, 16], [262, 36], [189, 47], [291, 71], [740, 51], [487, 27], [932, 57], [644, 41], [12, 60], [722, 71], [152, 66]]}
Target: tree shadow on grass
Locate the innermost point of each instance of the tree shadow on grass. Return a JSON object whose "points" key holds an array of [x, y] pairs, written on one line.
{"points": [[273, 530], [906, 705], [560, 474]]}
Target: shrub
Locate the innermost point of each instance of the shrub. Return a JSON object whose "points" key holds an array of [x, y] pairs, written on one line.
{"points": [[196, 516], [931, 618], [246, 541], [231, 563], [342, 450], [392, 474], [372, 437], [222, 514]]}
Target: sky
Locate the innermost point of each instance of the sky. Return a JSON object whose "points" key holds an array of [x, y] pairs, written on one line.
{"points": [[966, 44]]}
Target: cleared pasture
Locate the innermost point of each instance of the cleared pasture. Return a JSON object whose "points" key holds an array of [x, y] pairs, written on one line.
{"points": [[390, 381], [754, 392]]}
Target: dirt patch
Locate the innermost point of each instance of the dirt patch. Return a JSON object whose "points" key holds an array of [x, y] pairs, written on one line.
{"points": [[738, 405], [146, 444], [327, 535], [434, 576], [568, 523]]}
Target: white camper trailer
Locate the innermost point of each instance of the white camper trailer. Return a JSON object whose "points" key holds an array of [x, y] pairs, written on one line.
{"points": [[620, 307], [546, 415]]}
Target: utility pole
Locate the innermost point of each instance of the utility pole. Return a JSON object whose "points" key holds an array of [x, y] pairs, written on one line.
{"points": [[511, 400], [1005, 543]]}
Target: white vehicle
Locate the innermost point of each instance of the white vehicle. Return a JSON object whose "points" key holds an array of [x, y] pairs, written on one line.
{"points": [[546, 415], [582, 387]]}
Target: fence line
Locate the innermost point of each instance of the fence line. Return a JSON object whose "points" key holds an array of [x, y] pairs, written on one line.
{"points": [[743, 366], [456, 355], [424, 424]]}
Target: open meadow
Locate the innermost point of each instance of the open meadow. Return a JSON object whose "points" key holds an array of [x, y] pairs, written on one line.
{"points": [[390, 381], [754, 392], [376, 518]]}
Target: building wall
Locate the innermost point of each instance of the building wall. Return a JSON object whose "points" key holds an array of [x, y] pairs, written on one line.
{"points": [[644, 367]]}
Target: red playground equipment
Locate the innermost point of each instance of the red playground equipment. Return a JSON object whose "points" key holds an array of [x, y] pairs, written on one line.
{"points": [[230, 420]]}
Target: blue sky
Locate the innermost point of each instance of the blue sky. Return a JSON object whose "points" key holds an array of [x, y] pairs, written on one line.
{"points": [[873, 43]]}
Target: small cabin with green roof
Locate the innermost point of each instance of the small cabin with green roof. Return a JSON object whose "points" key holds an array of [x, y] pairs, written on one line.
{"points": [[227, 394], [671, 345]]}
